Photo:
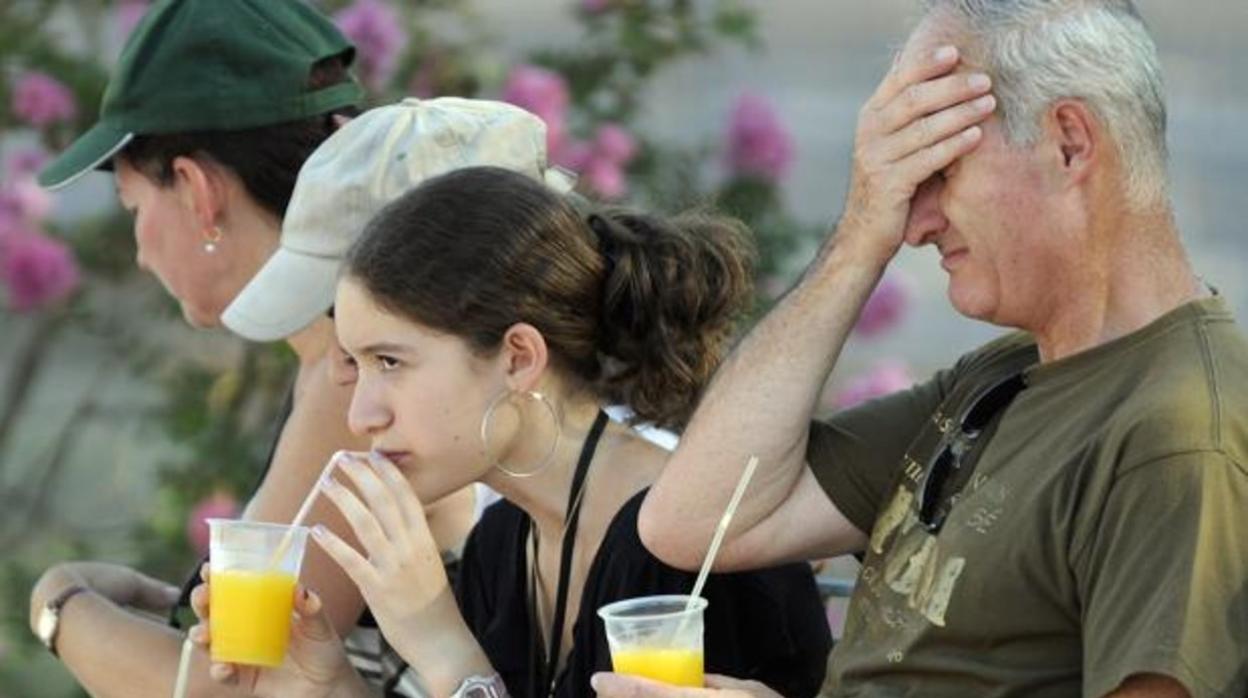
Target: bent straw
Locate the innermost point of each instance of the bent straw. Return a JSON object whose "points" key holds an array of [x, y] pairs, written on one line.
{"points": [[300, 515], [719, 536], [184, 664], [179, 689]]}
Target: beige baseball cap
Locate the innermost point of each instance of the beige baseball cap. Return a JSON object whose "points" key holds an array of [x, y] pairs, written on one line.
{"points": [[366, 164]]}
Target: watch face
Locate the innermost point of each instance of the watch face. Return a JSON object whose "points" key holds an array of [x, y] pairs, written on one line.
{"points": [[45, 626]]}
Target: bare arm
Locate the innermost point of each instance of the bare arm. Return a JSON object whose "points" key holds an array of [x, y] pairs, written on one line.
{"points": [[116, 653], [761, 401], [1150, 686], [113, 651]]}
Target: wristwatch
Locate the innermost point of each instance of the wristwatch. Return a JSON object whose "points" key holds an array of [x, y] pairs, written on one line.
{"points": [[49, 621], [482, 687]]}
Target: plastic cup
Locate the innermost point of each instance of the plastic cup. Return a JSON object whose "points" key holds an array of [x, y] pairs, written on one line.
{"points": [[252, 592], [655, 637]]}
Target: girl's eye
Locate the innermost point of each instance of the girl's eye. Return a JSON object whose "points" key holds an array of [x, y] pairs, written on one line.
{"points": [[387, 363]]}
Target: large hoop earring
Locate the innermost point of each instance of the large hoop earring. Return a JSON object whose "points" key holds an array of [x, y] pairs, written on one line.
{"points": [[211, 238], [534, 396]]}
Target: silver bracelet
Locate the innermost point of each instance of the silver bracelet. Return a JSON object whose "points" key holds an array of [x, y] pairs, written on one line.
{"points": [[482, 687]]}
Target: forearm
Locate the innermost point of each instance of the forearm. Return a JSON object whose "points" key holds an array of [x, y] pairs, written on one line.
{"points": [[115, 653], [445, 658], [760, 403]]}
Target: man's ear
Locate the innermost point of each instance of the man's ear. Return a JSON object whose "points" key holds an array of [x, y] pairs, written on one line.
{"points": [[525, 357], [1079, 139]]}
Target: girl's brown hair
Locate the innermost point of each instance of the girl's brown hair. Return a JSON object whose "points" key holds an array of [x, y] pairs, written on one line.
{"points": [[639, 309]]}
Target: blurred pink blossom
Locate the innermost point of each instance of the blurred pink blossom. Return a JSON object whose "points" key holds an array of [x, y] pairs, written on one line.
{"points": [[594, 7], [605, 159], [129, 14], [885, 377], [615, 143], [574, 155], [219, 505], [24, 201], [885, 308], [544, 93], [377, 31], [40, 100], [36, 270], [606, 178], [25, 163], [758, 143]]}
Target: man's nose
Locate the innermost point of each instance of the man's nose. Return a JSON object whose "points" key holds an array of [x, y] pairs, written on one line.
{"points": [[926, 220]]}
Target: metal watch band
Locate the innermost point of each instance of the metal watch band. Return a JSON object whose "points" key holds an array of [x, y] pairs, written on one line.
{"points": [[482, 687], [50, 617]]}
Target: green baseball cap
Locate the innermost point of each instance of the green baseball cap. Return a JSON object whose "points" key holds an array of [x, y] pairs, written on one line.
{"points": [[211, 65]]}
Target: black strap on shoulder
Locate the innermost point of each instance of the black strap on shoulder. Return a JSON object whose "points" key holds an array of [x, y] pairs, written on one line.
{"points": [[547, 675]]}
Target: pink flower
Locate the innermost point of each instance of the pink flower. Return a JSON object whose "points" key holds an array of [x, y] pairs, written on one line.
{"points": [[602, 161], [129, 14], [40, 100], [616, 144], [887, 376], [758, 144], [25, 163], [574, 155], [594, 7], [545, 94], [24, 201], [36, 269], [606, 178], [219, 505], [885, 308], [379, 36]]}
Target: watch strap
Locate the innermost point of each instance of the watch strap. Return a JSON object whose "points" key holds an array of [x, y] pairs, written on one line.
{"points": [[482, 687], [53, 609]]}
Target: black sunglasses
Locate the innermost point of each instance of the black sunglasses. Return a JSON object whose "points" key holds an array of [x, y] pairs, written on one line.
{"points": [[934, 504]]}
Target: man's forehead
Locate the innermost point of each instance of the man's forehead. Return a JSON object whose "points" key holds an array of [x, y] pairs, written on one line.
{"points": [[938, 28]]}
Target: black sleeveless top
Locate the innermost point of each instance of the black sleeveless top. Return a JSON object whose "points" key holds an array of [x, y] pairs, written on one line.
{"points": [[767, 625]]}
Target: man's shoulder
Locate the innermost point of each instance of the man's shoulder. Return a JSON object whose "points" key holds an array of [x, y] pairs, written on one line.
{"points": [[1010, 353]]}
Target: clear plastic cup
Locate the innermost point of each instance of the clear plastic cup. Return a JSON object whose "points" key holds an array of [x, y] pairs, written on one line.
{"points": [[252, 592], [656, 638]]}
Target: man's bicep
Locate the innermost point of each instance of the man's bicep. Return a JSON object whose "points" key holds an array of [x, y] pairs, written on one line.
{"points": [[806, 526]]}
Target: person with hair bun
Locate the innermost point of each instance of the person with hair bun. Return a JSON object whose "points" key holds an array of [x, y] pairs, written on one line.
{"points": [[491, 322]]}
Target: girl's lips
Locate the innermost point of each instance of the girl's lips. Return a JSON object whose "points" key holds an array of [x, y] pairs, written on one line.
{"points": [[396, 457], [952, 259]]}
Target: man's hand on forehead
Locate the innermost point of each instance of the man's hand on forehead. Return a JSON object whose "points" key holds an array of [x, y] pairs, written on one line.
{"points": [[924, 116]]}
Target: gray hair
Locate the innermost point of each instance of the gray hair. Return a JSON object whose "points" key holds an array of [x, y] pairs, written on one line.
{"points": [[1097, 51]]}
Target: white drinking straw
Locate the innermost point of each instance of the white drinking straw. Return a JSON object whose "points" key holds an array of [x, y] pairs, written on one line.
{"points": [[179, 689], [720, 531], [300, 515], [184, 664]]}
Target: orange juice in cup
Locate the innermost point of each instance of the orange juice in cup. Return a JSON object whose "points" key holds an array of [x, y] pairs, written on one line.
{"points": [[656, 637], [252, 590]]}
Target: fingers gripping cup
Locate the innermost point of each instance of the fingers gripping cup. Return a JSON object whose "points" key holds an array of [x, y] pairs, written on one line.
{"points": [[657, 637], [252, 589]]}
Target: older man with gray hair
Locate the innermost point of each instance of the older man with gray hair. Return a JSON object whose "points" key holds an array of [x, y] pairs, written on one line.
{"points": [[1063, 511]]}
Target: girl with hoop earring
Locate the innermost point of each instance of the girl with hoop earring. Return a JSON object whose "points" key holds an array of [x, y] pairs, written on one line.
{"points": [[491, 322]]}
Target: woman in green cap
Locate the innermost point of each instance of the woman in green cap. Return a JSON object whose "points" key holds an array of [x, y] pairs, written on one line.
{"points": [[211, 111]]}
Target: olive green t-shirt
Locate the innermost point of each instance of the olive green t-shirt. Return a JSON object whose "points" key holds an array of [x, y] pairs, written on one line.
{"points": [[1102, 530]]}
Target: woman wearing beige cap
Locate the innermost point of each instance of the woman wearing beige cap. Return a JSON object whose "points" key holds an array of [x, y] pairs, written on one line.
{"points": [[212, 110], [492, 323]]}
